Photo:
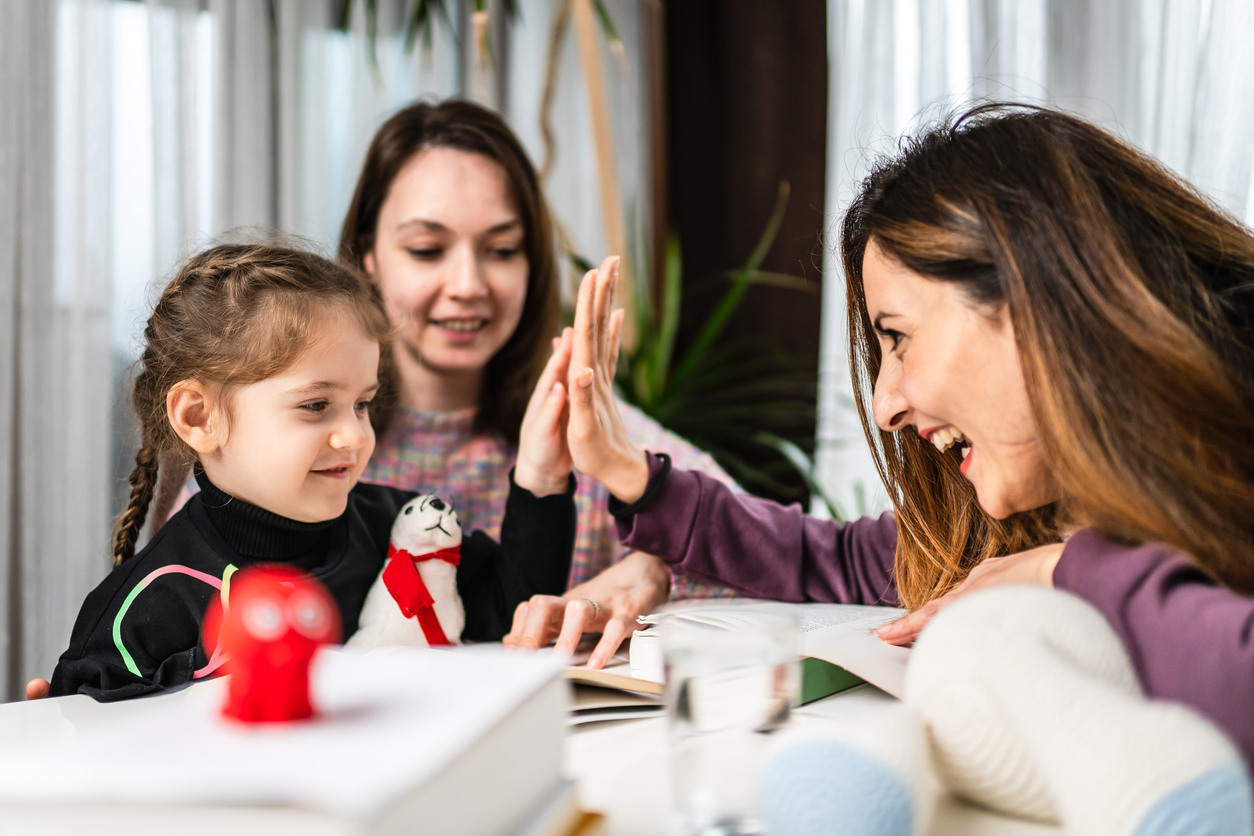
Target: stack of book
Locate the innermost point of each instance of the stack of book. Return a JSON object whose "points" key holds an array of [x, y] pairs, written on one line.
{"points": [[464, 743]]}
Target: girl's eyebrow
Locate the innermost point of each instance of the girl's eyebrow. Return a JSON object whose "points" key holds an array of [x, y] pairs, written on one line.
{"points": [[327, 386]]}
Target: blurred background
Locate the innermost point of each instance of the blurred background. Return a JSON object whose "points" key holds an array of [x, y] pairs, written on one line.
{"points": [[711, 142]]}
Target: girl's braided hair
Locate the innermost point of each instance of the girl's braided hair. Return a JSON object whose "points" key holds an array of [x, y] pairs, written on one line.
{"points": [[232, 315]]}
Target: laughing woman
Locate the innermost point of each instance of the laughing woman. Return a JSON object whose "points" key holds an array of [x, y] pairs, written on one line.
{"points": [[1052, 343]]}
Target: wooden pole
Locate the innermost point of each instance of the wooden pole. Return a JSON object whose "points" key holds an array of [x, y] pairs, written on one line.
{"points": [[611, 199]]}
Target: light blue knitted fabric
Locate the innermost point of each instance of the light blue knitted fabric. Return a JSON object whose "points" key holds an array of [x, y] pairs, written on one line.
{"points": [[1216, 804], [825, 788]]}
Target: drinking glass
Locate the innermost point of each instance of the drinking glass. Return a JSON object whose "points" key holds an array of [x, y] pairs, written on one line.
{"points": [[731, 679]]}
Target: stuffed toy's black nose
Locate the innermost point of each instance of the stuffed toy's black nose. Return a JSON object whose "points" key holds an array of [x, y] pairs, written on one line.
{"points": [[437, 504]]}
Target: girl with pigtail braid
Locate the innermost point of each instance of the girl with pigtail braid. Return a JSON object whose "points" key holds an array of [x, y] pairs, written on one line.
{"points": [[260, 368]]}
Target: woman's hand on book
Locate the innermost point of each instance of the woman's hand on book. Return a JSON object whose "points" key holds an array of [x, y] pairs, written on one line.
{"points": [[634, 586], [599, 442], [37, 689], [544, 460], [1034, 566]]}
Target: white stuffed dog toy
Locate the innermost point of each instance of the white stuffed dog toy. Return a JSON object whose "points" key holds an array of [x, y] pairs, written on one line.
{"points": [[414, 601]]}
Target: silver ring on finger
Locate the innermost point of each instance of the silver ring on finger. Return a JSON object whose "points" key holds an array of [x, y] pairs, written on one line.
{"points": [[596, 608]]}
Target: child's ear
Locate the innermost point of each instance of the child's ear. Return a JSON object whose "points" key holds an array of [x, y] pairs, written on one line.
{"points": [[193, 411]]}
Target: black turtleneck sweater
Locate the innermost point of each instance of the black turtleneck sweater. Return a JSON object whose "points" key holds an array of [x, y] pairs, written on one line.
{"points": [[139, 630]]}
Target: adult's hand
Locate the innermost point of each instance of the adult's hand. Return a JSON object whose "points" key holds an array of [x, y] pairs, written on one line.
{"points": [[634, 586], [544, 461], [37, 689], [598, 440], [1034, 566]]}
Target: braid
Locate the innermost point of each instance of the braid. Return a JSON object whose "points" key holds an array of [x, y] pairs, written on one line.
{"points": [[143, 483]]}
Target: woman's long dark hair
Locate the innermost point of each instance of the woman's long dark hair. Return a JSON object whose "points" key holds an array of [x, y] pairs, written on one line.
{"points": [[1132, 300], [512, 372]]}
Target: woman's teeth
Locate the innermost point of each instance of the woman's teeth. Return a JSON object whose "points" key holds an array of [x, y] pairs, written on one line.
{"points": [[460, 324], [945, 438]]}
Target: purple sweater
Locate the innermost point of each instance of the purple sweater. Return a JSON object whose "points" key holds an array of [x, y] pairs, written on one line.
{"points": [[1190, 640]]}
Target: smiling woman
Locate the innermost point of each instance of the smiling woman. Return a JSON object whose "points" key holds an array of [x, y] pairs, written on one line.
{"points": [[1052, 343]]}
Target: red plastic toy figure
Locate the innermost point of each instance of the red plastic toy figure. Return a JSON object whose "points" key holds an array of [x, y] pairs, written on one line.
{"points": [[275, 618]]}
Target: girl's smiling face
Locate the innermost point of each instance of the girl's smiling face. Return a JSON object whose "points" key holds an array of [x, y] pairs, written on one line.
{"points": [[295, 444], [448, 258], [951, 368]]}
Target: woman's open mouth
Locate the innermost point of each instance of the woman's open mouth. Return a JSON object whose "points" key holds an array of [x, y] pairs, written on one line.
{"points": [[951, 437]]}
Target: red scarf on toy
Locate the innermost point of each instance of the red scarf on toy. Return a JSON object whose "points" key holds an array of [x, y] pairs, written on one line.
{"points": [[402, 580]]}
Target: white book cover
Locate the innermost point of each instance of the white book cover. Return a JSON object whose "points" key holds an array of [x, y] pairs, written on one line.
{"points": [[389, 723]]}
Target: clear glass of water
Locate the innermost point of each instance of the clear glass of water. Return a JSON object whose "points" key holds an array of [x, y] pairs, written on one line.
{"points": [[731, 679]]}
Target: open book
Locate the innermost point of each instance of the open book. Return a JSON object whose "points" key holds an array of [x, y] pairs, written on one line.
{"points": [[838, 647]]}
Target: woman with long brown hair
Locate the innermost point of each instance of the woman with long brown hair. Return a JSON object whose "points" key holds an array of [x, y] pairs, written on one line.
{"points": [[1052, 347], [449, 221]]}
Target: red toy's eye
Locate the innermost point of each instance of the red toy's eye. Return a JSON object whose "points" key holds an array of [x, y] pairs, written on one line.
{"points": [[310, 615], [263, 618]]}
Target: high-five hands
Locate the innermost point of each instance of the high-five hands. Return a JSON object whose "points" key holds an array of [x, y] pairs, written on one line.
{"points": [[600, 448]]}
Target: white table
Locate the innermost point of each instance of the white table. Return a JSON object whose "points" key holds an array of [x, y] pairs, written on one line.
{"points": [[623, 772]]}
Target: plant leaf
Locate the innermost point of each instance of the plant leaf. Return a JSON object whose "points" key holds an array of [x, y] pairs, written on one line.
{"points": [[668, 326]]}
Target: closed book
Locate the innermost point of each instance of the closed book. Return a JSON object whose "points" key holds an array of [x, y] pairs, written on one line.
{"points": [[463, 743]]}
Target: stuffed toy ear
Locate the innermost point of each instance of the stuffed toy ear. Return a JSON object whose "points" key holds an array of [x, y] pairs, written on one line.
{"points": [[1034, 709]]}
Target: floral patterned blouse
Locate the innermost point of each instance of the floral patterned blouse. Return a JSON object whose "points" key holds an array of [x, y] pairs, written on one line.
{"points": [[439, 452]]}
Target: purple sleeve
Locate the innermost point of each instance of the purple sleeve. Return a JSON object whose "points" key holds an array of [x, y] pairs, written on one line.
{"points": [[1189, 639], [700, 527]]}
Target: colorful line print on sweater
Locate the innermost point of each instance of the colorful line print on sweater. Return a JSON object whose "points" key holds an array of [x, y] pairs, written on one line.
{"points": [[223, 585]]}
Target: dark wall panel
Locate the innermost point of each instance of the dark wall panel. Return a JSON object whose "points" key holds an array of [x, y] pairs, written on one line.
{"points": [[747, 108]]}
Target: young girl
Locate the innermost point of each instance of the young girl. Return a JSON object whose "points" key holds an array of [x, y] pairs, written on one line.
{"points": [[260, 366]]}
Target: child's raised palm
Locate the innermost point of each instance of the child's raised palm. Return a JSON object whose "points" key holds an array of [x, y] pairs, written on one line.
{"points": [[544, 461]]}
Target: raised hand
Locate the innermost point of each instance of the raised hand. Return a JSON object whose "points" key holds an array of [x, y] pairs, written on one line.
{"points": [[544, 460], [599, 443]]}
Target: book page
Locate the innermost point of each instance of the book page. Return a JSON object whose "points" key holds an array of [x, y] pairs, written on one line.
{"points": [[854, 646], [842, 634]]}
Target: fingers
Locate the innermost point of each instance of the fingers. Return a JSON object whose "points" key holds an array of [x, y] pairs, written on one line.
{"points": [[582, 347], [616, 328], [535, 622], [603, 306], [554, 372], [615, 631], [906, 629], [516, 628], [580, 618], [37, 689]]}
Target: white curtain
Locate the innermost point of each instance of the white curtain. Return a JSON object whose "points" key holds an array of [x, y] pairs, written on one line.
{"points": [[1175, 77], [54, 360], [572, 186]]}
